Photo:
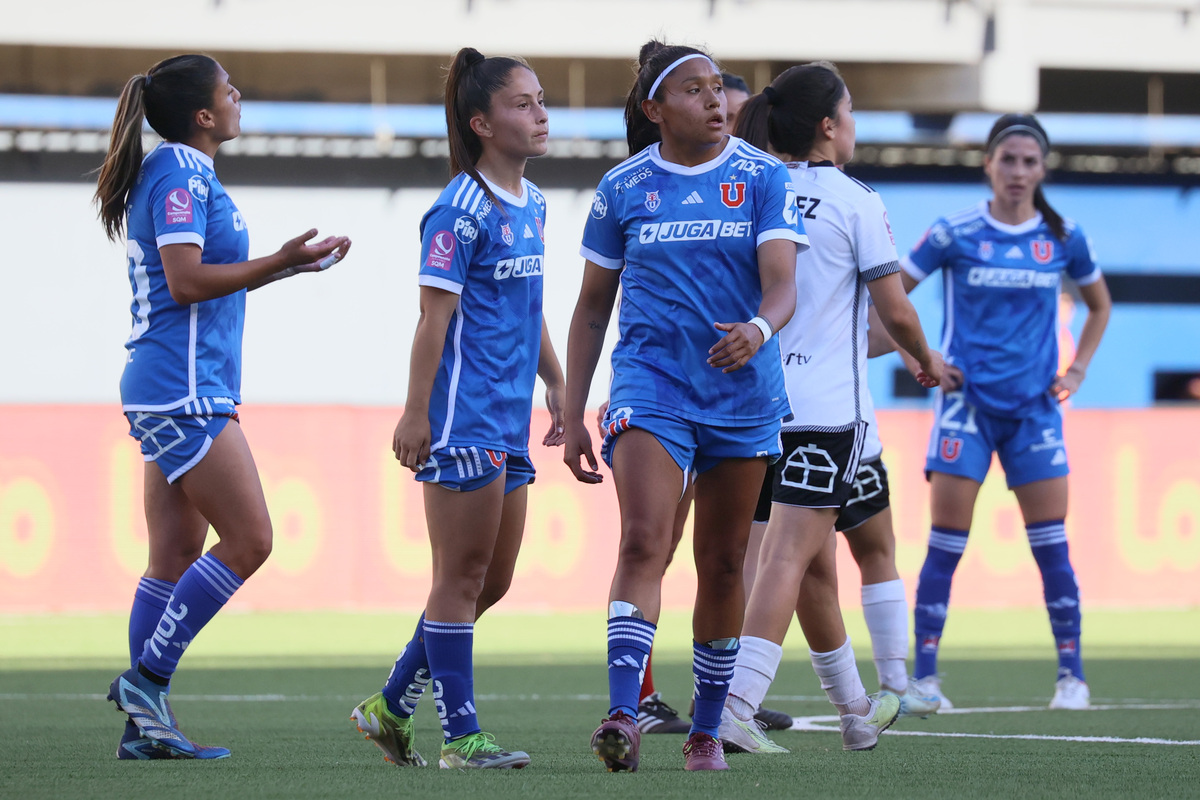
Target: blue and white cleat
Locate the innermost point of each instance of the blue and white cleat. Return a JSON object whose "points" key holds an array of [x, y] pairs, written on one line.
{"points": [[134, 746], [915, 704], [146, 704]]}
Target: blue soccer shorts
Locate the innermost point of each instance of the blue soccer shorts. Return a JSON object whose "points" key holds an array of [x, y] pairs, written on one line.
{"points": [[177, 440], [465, 469], [1030, 447], [695, 447]]}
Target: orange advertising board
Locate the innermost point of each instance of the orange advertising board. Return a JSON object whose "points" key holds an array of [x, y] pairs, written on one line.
{"points": [[350, 528]]}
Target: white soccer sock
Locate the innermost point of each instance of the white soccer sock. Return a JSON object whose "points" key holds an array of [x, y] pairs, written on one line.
{"points": [[886, 611], [753, 673], [838, 672]]}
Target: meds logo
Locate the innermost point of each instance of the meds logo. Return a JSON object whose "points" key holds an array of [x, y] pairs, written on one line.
{"points": [[466, 229], [599, 206], [199, 187], [441, 250], [179, 207]]}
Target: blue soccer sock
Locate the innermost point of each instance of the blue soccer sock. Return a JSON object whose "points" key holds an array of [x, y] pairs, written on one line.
{"points": [[409, 676], [205, 587], [712, 670], [946, 547], [149, 603], [629, 642], [448, 646], [1048, 540]]}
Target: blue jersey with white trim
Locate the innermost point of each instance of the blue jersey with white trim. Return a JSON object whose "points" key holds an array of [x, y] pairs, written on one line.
{"points": [[178, 354], [492, 259], [1002, 285], [686, 240]]}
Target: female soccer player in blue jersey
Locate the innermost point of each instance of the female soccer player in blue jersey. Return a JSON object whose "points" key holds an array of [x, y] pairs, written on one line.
{"points": [[1002, 264], [699, 231], [189, 271], [805, 118], [480, 342]]}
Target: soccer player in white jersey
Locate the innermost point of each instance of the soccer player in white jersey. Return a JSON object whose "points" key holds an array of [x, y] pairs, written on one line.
{"points": [[1002, 263], [806, 119], [189, 269], [479, 345], [699, 230]]}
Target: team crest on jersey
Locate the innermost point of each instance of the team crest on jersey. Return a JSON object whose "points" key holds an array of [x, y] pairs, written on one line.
{"points": [[733, 193], [951, 448], [506, 234], [653, 201], [441, 250], [986, 250], [198, 187], [1042, 249], [179, 207], [541, 229]]}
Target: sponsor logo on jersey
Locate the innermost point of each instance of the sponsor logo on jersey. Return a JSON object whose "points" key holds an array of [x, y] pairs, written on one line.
{"points": [[198, 187], [692, 199], [1007, 278], [986, 250], [939, 236], [528, 234], [599, 205], [733, 193], [506, 234], [697, 230], [541, 228], [179, 207], [441, 250], [653, 201], [755, 168], [239, 222], [1042, 249], [951, 448], [791, 207], [887, 224], [523, 267], [633, 180], [466, 229], [798, 358], [1014, 252]]}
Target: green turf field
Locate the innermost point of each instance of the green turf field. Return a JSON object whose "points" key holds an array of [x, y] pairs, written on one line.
{"points": [[278, 689]]}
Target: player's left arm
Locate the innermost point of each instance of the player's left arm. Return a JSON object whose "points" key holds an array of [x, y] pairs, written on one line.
{"points": [[550, 371], [1099, 304], [777, 272]]}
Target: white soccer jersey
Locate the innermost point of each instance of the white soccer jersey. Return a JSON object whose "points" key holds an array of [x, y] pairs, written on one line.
{"points": [[824, 346]]}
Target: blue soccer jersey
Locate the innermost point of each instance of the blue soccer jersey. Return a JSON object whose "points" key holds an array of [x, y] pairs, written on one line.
{"points": [[178, 354], [686, 239], [492, 259], [1002, 285]]}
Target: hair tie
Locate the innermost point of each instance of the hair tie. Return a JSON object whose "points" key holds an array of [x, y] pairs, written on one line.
{"points": [[771, 95], [145, 81], [474, 57]]}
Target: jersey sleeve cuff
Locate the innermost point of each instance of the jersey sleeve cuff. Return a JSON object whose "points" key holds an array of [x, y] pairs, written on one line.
{"points": [[1090, 278], [801, 239], [599, 260], [182, 237], [440, 283], [875, 273], [912, 270]]}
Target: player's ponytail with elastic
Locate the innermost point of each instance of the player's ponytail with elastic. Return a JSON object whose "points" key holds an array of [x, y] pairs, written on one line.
{"points": [[472, 81], [800, 99], [1027, 125], [654, 57], [167, 97], [752, 121]]}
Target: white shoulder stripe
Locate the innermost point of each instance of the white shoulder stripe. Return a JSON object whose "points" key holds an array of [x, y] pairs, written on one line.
{"points": [[464, 180], [965, 215], [628, 164]]}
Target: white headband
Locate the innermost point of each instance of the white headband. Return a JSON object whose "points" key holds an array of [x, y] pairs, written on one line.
{"points": [[658, 81]]}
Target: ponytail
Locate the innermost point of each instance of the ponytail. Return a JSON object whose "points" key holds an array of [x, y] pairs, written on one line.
{"points": [[1027, 125], [653, 58], [752, 121], [1052, 218], [167, 97], [472, 81], [799, 100]]}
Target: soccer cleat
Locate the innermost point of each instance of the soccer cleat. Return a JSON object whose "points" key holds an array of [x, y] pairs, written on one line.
{"points": [[146, 704], [134, 746], [617, 742], [703, 752], [745, 737], [655, 716], [915, 704], [391, 734], [930, 686], [772, 720], [862, 732], [1071, 693], [480, 751]]}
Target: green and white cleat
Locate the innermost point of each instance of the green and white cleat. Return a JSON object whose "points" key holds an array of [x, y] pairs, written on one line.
{"points": [[745, 737], [862, 732], [391, 734], [930, 686], [480, 751]]}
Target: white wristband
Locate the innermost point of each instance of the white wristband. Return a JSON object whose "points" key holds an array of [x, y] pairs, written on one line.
{"points": [[764, 326]]}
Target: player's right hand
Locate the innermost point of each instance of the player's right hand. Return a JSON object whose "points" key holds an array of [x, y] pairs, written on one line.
{"points": [[579, 445], [411, 441], [307, 257], [600, 418], [933, 373]]}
